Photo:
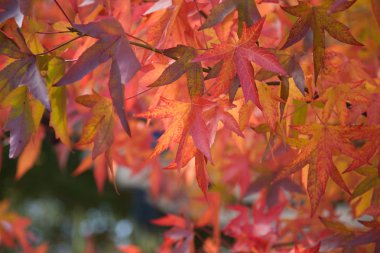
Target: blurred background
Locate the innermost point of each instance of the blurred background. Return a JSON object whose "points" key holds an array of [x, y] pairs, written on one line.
{"points": [[71, 215]]}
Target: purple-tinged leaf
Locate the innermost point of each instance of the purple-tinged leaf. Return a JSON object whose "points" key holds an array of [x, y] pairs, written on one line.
{"points": [[36, 84], [263, 58], [20, 122], [10, 9], [9, 48], [175, 70], [116, 89], [245, 73], [25, 71], [218, 13], [298, 31], [340, 5], [371, 236], [126, 59], [104, 29], [199, 132], [11, 77], [89, 60], [295, 71], [112, 43]]}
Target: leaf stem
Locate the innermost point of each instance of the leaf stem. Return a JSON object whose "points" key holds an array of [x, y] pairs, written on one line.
{"points": [[140, 93], [137, 38], [59, 46], [158, 51], [58, 32], [63, 12], [153, 49], [200, 21]]}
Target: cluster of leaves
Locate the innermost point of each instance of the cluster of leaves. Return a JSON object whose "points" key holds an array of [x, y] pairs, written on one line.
{"points": [[245, 111], [14, 233]]}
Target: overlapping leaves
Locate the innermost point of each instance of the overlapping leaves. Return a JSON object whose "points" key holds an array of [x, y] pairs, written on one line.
{"points": [[319, 20]]}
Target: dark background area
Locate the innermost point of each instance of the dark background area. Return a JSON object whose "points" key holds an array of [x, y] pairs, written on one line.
{"points": [[70, 214]]}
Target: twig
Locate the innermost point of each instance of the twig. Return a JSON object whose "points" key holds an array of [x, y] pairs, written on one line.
{"points": [[137, 38], [64, 13], [48, 33], [200, 21], [140, 93], [158, 51], [153, 49], [59, 46]]}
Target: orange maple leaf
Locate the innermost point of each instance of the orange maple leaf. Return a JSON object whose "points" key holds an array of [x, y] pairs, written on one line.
{"points": [[337, 96], [186, 120], [237, 61], [99, 128], [319, 20], [318, 152]]}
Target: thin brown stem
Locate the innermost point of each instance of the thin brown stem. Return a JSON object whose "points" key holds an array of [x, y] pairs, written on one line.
{"points": [[64, 13], [59, 46], [137, 38], [59, 32], [158, 51], [200, 21], [153, 49], [140, 93]]}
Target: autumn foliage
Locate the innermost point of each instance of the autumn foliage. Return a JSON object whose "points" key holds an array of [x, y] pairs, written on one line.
{"points": [[240, 110]]}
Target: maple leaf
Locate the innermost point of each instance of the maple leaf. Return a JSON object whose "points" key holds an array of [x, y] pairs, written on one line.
{"points": [[112, 44], [24, 70], [181, 234], [14, 231], [318, 153], [274, 189], [170, 19], [30, 154], [247, 12], [269, 101], [101, 163], [12, 9], [338, 68], [20, 123], [341, 234], [58, 100], [372, 181], [99, 128], [319, 19], [238, 173], [256, 234], [338, 96], [370, 236], [237, 60], [291, 66], [9, 47], [215, 111], [186, 119], [371, 135], [201, 172], [182, 65]]}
